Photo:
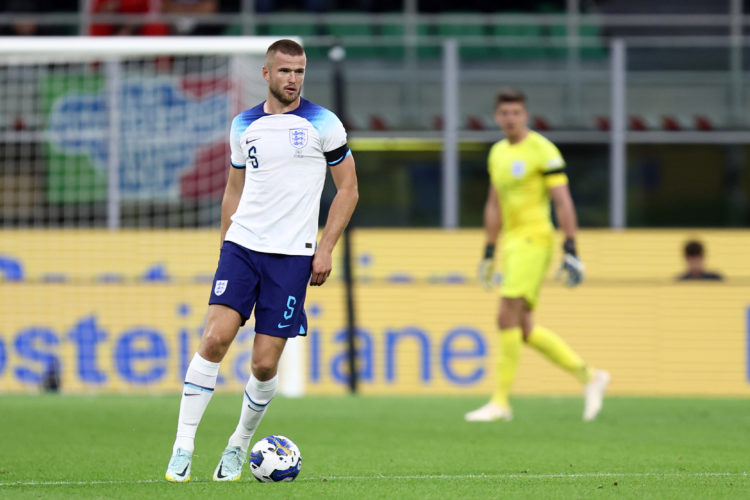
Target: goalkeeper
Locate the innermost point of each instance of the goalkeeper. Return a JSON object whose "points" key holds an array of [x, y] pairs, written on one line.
{"points": [[526, 171]]}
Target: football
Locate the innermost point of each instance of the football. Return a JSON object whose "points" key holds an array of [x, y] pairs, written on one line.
{"points": [[275, 458]]}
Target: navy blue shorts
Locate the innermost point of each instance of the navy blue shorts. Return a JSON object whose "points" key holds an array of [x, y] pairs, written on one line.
{"points": [[275, 285]]}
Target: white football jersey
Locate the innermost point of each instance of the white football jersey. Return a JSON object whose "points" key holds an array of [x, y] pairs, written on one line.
{"points": [[285, 158]]}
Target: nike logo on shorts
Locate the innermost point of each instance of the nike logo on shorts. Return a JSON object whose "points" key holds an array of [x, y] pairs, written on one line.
{"points": [[283, 326]]}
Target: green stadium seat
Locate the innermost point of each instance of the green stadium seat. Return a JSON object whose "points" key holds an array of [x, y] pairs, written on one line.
{"points": [[390, 33], [532, 33], [353, 30], [475, 32]]}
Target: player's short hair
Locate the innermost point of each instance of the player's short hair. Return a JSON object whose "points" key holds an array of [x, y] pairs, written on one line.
{"points": [[510, 94], [285, 46], [693, 248]]}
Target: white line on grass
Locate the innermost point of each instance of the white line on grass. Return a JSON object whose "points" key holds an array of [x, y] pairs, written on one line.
{"points": [[582, 475]]}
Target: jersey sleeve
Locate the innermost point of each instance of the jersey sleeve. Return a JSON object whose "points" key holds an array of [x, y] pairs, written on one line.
{"points": [[237, 156], [553, 165], [333, 140]]}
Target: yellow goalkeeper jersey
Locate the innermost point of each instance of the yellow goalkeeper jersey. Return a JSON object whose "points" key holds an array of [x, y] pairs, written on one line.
{"points": [[522, 174]]}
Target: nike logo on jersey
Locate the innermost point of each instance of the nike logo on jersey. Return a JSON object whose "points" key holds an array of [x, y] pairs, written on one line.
{"points": [[248, 141], [184, 471], [283, 326]]}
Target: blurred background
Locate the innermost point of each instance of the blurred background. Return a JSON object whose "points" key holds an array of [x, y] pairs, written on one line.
{"points": [[113, 159]]}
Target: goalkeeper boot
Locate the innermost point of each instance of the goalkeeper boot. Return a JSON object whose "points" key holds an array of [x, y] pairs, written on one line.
{"points": [[594, 394], [488, 413], [230, 465], [178, 470]]}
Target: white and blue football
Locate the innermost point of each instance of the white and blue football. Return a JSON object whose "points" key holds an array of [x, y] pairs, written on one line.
{"points": [[275, 458]]}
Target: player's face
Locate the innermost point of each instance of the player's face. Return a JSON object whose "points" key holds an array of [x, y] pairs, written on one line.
{"points": [[511, 117], [285, 74]]}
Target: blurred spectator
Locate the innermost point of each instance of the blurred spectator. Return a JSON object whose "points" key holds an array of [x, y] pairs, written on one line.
{"points": [[187, 25], [126, 7], [28, 26], [694, 259]]}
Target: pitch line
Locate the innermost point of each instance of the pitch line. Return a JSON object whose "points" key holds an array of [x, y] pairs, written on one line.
{"points": [[583, 475]]}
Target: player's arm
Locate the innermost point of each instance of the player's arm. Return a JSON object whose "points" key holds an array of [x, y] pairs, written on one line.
{"points": [[493, 223], [565, 211], [347, 193], [231, 200], [566, 217]]}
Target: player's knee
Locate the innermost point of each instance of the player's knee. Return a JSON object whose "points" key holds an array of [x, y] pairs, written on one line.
{"points": [[264, 369], [509, 318], [213, 345]]}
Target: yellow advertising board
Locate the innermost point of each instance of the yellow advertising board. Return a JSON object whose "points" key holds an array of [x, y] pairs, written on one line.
{"points": [[123, 312]]}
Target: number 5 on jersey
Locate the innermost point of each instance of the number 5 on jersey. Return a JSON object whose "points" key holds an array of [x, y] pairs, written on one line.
{"points": [[251, 157]]}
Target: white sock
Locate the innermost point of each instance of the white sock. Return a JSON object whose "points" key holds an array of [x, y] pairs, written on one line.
{"points": [[254, 403], [200, 381]]}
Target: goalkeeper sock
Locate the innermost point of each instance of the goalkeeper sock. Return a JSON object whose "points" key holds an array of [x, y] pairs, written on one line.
{"points": [[254, 404], [556, 350], [200, 381], [510, 355]]}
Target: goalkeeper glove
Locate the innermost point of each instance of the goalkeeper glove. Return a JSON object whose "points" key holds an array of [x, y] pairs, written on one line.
{"points": [[487, 267], [571, 264]]}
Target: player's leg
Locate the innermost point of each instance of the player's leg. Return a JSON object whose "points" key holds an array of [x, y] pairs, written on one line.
{"points": [[279, 315], [554, 348], [259, 391], [231, 302], [509, 321], [222, 324], [525, 262]]}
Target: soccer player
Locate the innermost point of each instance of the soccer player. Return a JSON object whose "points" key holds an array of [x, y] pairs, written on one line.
{"points": [[526, 171], [269, 223]]}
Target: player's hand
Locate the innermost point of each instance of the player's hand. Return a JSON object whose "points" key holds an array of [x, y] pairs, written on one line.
{"points": [[486, 271], [571, 265], [321, 268]]}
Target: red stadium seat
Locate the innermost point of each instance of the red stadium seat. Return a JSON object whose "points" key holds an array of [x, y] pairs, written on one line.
{"points": [[703, 123], [378, 123], [670, 123], [637, 123], [474, 123], [602, 123], [540, 123]]}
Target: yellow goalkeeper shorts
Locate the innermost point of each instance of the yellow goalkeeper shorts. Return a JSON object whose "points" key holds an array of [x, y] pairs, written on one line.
{"points": [[525, 262]]}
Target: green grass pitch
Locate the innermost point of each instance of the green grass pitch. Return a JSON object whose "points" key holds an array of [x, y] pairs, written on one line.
{"points": [[54, 446]]}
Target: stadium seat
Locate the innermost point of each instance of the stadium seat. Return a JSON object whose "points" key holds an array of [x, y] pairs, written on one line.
{"points": [[474, 123], [353, 30], [637, 123], [703, 123], [540, 123], [475, 32], [532, 33], [670, 123], [378, 123], [390, 33]]}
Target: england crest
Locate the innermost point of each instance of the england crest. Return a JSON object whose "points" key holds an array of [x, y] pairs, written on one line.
{"points": [[298, 137], [220, 287], [518, 168]]}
